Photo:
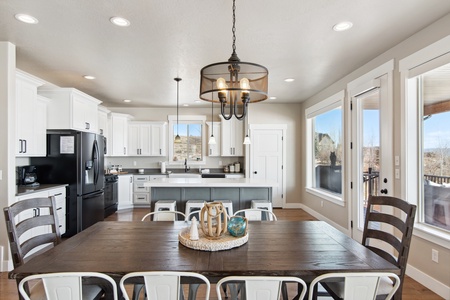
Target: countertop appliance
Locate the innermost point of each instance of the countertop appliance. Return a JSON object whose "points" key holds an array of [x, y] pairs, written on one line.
{"points": [[76, 158], [27, 176], [111, 193]]}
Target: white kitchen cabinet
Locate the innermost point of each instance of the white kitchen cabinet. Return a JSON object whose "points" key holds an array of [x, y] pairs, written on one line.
{"points": [[147, 139], [31, 117], [71, 109], [103, 126], [125, 192], [232, 137], [119, 134], [214, 150]]}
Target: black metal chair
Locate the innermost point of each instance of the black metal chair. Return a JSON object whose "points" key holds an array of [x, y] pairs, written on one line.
{"points": [[381, 228]]}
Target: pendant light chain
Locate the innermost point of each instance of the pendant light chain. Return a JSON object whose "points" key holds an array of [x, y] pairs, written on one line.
{"points": [[233, 30]]}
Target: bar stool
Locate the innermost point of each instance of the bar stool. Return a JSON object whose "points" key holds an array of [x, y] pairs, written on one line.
{"points": [[162, 205], [228, 204], [263, 204], [193, 205]]}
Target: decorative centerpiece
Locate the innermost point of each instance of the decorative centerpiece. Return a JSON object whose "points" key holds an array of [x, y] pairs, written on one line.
{"points": [[213, 220], [237, 226]]}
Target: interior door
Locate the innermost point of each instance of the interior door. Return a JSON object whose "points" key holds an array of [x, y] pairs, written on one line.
{"points": [[371, 111], [266, 155]]}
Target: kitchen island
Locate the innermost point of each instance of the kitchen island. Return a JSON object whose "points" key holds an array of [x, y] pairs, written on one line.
{"points": [[241, 191]]}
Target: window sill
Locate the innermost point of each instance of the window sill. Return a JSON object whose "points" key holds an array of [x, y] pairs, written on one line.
{"points": [[431, 234], [326, 196]]}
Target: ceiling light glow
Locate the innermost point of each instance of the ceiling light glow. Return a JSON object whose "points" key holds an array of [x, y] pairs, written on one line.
{"points": [[119, 21], [343, 26], [90, 77], [272, 98], [289, 79], [127, 100], [26, 18]]}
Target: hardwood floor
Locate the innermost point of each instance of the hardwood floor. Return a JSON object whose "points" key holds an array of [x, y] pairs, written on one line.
{"points": [[412, 290]]}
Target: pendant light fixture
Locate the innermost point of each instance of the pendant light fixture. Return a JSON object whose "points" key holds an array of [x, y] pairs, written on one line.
{"points": [[233, 81], [247, 140], [177, 137], [212, 139]]}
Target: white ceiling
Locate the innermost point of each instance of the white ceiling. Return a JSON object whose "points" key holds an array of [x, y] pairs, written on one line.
{"points": [[170, 38]]}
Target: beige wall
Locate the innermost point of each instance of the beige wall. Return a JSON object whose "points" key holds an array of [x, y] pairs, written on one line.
{"points": [[420, 255]]}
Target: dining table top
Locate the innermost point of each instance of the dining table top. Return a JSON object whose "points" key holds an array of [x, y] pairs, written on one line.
{"points": [[304, 249]]}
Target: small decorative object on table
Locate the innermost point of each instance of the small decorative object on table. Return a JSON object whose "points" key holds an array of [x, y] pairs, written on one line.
{"points": [[193, 233], [216, 220], [237, 226]]}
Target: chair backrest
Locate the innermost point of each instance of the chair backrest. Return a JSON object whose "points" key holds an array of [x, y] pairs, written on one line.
{"points": [[31, 218], [357, 286], [257, 214], [63, 286], [394, 229], [261, 287], [165, 215], [163, 284]]}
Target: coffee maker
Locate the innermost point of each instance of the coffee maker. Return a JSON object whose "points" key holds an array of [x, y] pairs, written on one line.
{"points": [[27, 176]]}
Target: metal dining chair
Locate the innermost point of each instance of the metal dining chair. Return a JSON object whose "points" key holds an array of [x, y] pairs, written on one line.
{"points": [[63, 286], [259, 287], [164, 284], [357, 285], [164, 215], [378, 231]]}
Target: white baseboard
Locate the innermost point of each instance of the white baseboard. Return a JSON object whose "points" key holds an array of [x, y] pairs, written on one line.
{"points": [[292, 205], [323, 218], [437, 287]]}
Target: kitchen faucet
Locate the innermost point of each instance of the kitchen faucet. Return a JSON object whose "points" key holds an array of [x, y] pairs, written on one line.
{"points": [[186, 168]]}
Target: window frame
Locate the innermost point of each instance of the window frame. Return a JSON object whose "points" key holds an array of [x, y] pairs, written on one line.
{"points": [[426, 59], [186, 119], [326, 105]]}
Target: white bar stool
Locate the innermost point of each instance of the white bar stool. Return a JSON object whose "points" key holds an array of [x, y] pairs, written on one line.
{"points": [[163, 205], [263, 204], [193, 205], [228, 204]]}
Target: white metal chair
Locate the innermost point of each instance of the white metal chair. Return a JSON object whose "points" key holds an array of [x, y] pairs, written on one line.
{"points": [[357, 286], [63, 286], [256, 214], [165, 285], [262, 204], [259, 287], [164, 215], [163, 205], [228, 204]]}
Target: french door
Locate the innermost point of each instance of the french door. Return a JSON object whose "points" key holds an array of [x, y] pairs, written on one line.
{"points": [[372, 149]]}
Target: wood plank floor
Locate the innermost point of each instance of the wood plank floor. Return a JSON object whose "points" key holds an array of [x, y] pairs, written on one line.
{"points": [[412, 290]]}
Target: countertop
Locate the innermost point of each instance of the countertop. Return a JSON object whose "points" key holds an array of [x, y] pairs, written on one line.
{"points": [[210, 182], [24, 190]]}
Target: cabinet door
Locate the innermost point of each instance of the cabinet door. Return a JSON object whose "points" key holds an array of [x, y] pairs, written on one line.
{"points": [[141, 198], [226, 146], [39, 146], [125, 192], [79, 107], [26, 94], [138, 186], [145, 138], [60, 199], [158, 140], [232, 137], [119, 133], [133, 140], [103, 124], [238, 138]]}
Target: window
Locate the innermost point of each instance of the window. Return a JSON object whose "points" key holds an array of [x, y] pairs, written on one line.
{"points": [[426, 102], [325, 153], [191, 131]]}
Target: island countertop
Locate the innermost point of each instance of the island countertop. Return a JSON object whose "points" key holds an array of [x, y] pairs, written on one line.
{"points": [[210, 182]]}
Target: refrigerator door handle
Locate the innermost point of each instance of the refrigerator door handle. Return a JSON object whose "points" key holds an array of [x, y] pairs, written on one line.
{"points": [[96, 162]]}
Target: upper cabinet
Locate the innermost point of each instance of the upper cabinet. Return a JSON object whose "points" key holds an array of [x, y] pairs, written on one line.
{"points": [[232, 137], [118, 139], [147, 138], [214, 128], [71, 109], [31, 116]]}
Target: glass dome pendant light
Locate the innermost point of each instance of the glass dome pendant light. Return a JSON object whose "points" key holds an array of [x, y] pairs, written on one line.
{"points": [[177, 137], [234, 82], [212, 139]]}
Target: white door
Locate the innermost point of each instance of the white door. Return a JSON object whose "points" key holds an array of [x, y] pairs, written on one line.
{"points": [[371, 119], [267, 158]]}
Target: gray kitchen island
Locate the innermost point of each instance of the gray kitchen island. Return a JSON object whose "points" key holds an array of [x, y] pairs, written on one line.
{"points": [[241, 191]]}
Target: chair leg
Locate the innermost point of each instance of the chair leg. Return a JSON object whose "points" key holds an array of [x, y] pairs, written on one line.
{"points": [[193, 288], [137, 288], [224, 288]]}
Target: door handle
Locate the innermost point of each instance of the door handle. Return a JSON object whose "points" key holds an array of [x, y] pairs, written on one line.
{"points": [[255, 172], [384, 191]]}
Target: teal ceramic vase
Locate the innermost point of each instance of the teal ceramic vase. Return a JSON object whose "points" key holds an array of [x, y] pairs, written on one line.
{"points": [[237, 226]]}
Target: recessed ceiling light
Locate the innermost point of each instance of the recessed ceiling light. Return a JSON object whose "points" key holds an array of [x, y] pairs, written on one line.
{"points": [[197, 101], [272, 98], [289, 79], [343, 26], [122, 22], [185, 104], [26, 18], [127, 100], [90, 77]]}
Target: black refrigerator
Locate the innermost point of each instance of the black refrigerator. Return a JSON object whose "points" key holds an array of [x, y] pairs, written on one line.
{"points": [[77, 159]]}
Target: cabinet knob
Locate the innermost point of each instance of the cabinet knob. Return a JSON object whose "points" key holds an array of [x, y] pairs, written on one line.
{"points": [[255, 172]]}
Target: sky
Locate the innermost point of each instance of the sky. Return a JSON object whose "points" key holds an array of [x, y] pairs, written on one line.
{"points": [[437, 131]]}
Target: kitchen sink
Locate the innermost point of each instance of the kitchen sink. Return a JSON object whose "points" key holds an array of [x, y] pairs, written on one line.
{"points": [[184, 175]]}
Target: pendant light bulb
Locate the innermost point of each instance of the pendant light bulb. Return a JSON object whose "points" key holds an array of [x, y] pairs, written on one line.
{"points": [[247, 140], [177, 139], [212, 140]]}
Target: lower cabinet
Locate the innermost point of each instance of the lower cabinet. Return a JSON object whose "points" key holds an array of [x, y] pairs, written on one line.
{"points": [[60, 198], [125, 192], [142, 196]]}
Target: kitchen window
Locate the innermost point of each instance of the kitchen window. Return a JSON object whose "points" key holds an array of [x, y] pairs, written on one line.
{"points": [[191, 130], [324, 150]]}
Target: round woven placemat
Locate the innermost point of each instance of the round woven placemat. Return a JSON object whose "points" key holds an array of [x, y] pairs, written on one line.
{"points": [[225, 242]]}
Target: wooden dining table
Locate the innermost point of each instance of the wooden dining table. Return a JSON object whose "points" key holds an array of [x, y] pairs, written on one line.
{"points": [[304, 249]]}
